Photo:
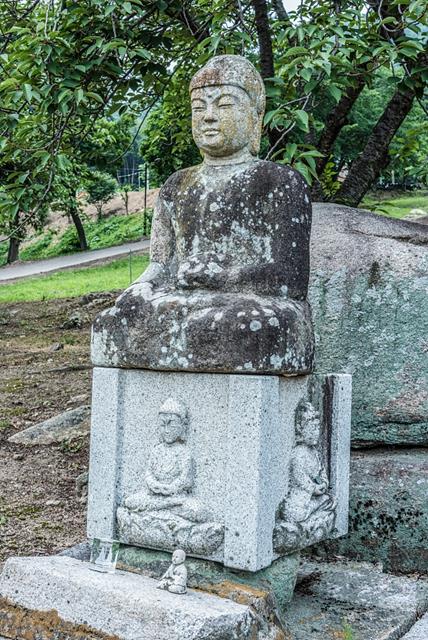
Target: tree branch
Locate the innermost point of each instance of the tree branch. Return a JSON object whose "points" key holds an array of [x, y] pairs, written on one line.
{"points": [[280, 11]]}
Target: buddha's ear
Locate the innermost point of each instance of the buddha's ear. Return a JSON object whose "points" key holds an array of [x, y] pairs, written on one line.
{"points": [[256, 133]]}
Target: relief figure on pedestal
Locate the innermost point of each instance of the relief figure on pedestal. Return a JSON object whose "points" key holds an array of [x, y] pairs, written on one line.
{"points": [[307, 514], [164, 513]]}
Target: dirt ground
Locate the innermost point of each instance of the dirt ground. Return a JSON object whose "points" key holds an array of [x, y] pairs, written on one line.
{"points": [[44, 370]]}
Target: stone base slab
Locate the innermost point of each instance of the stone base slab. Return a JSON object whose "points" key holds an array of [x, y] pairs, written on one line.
{"points": [[45, 598], [275, 583]]}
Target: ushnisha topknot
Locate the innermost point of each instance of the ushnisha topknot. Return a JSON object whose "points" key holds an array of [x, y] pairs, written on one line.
{"points": [[233, 70], [175, 407]]}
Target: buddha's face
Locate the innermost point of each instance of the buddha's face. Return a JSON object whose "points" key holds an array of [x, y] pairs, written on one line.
{"points": [[223, 119], [172, 428], [178, 557], [310, 427]]}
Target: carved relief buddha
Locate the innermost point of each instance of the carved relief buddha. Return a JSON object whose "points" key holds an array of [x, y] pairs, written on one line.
{"points": [[164, 513], [227, 282], [307, 514]]}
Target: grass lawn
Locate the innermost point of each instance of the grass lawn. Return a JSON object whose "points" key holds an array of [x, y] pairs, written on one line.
{"points": [[76, 282], [396, 205]]}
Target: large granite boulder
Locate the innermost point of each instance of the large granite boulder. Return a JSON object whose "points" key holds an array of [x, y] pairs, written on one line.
{"points": [[368, 290], [388, 510]]}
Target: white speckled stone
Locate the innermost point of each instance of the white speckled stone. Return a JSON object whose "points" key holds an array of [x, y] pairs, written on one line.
{"points": [[419, 631], [241, 434], [125, 605]]}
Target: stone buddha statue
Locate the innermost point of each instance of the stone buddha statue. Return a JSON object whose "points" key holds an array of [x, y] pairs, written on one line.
{"points": [[226, 287]]}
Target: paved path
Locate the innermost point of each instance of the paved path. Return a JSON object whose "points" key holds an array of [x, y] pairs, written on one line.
{"points": [[24, 269]]}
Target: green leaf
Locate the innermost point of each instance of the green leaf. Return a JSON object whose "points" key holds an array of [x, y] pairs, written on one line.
{"points": [[302, 118], [95, 96], [108, 10], [63, 94], [295, 51], [78, 95], [62, 161], [306, 74], [22, 178], [28, 92], [335, 92]]}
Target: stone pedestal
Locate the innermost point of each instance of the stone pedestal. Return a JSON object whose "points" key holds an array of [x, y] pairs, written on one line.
{"points": [[238, 445]]}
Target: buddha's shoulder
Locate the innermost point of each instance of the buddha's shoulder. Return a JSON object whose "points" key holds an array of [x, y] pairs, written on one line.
{"points": [[179, 180], [272, 173]]}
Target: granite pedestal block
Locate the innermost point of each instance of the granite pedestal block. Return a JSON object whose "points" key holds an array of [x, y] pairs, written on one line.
{"points": [[214, 478]]}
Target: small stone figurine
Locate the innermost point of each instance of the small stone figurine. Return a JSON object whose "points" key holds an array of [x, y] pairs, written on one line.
{"points": [[174, 579]]}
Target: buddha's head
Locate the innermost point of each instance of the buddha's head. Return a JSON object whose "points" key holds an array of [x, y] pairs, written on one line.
{"points": [[228, 103], [173, 421], [178, 557], [308, 424]]}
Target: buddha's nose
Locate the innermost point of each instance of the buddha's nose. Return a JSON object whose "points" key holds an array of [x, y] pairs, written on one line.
{"points": [[210, 115]]}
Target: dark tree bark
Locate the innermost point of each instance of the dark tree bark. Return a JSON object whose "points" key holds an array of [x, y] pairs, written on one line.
{"points": [[264, 38], [367, 167], [14, 240], [267, 69], [13, 250], [280, 10], [337, 119], [334, 124], [79, 228]]}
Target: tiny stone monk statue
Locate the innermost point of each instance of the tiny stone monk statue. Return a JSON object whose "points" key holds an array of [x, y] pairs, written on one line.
{"points": [[174, 579], [227, 283]]}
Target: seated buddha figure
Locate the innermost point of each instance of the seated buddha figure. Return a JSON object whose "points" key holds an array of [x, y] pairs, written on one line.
{"points": [[169, 477], [226, 287], [164, 513], [308, 513]]}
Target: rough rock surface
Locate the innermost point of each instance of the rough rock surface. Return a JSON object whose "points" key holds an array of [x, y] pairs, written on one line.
{"points": [[388, 510], [122, 606], [335, 600], [331, 602], [368, 291], [70, 424], [419, 631]]}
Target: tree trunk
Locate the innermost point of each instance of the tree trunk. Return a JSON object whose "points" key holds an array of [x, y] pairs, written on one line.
{"points": [[336, 120], [80, 229], [280, 11], [267, 69], [367, 167], [14, 240], [13, 251]]}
